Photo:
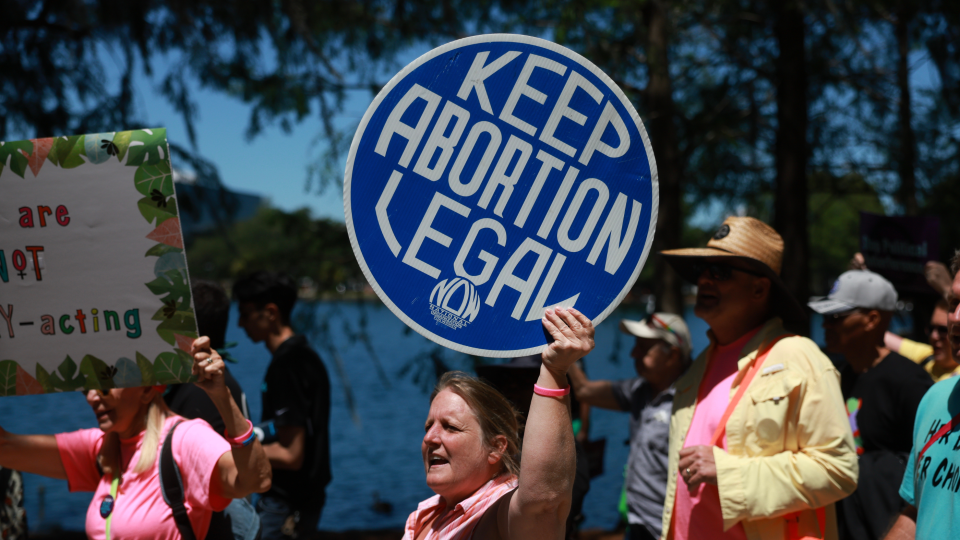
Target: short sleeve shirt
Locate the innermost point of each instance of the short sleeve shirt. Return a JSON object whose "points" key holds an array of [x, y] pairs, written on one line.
{"points": [[649, 444], [296, 392], [882, 403], [140, 511], [932, 485]]}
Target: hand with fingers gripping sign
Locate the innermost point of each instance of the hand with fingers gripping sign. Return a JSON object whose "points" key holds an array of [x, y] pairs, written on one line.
{"points": [[572, 334], [208, 367]]}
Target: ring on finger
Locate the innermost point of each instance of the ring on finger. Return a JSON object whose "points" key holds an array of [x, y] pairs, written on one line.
{"points": [[687, 471], [208, 361]]}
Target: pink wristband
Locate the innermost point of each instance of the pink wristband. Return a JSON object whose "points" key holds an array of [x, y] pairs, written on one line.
{"points": [[550, 392], [242, 440]]}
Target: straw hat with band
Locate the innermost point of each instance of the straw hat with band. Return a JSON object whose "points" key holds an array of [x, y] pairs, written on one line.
{"points": [[747, 240]]}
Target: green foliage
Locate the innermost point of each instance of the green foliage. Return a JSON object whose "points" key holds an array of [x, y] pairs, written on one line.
{"points": [[71, 151], [97, 374], [294, 242], [161, 249], [43, 377], [8, 378], [722, 86], [67, 378], [181, 322], [146, 370], [172, 368], [61, 149], [153, 149], [834, 225], [14, 152], [122, 142], [156, 212], [154, 176], [173, 286]]}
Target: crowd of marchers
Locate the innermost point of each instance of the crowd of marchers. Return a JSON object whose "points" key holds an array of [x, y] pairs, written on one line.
{"points": [[763, 435]]}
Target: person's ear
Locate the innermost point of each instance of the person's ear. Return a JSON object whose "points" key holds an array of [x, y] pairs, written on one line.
{"points": [[148, 394], [761, 288], [872, 320], [499, 449], [272, 311]]}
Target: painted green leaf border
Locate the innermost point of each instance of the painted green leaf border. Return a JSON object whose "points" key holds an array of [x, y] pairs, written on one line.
{"points": [[146, 149]]}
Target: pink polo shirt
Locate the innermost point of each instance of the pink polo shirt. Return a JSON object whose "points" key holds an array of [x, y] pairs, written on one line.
{"points": [[139, 511], [697, 513], [457, 524]]}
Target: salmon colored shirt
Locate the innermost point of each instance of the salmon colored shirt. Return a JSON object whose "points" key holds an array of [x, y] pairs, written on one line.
{"points": [[457, 524], [698, 513], [139, 511]]}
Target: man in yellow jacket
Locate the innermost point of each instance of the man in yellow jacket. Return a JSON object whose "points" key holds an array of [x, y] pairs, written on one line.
{"points": [[771, 465]]}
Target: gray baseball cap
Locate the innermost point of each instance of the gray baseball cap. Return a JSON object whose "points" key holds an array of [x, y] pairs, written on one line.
{"points": [[857, 289]]}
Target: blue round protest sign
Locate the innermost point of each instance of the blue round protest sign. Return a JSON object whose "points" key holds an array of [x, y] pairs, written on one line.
{"points": [[494, 177]]}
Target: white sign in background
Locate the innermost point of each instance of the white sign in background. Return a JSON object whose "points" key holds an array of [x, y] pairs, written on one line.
{"points": [[91, 299], [493, 177]]}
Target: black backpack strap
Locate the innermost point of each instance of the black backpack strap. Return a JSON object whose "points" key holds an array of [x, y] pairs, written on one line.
{"points": [[171, 486]]}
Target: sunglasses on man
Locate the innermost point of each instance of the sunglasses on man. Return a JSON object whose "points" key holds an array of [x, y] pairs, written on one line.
{"points": [[720, 271]]}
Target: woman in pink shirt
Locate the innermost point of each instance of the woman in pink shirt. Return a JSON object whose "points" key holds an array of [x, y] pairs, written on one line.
{"points": [[471, 451], [118, 461]]}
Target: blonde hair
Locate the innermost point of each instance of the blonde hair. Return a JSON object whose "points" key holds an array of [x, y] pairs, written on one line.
{"points": [[494, 413], [109, 456]]}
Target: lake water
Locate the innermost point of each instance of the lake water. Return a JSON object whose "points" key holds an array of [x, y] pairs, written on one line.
{"points": [[380, 374]]}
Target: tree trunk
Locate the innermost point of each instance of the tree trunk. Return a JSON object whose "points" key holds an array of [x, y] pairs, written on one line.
{"points": [[908, 153], [790, 203], [663, 138]]}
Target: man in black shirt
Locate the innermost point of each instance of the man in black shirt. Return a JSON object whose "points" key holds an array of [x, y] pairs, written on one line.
{"points": [[882, 390], [296, 408]]}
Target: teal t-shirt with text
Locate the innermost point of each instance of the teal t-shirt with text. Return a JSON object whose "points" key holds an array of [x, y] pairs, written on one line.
{"points": [[933, 484]]}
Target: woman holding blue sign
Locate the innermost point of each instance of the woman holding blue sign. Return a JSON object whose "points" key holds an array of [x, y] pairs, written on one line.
{"points": [[118, 461], [471, 455]]}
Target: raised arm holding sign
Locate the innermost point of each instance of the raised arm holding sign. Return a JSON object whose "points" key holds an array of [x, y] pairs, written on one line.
{"points": [[470, 450], [123, 451], [492, 180], [94, 288]]}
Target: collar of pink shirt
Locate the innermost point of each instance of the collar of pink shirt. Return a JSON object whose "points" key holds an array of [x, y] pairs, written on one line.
{"points": [[457, 524]]}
